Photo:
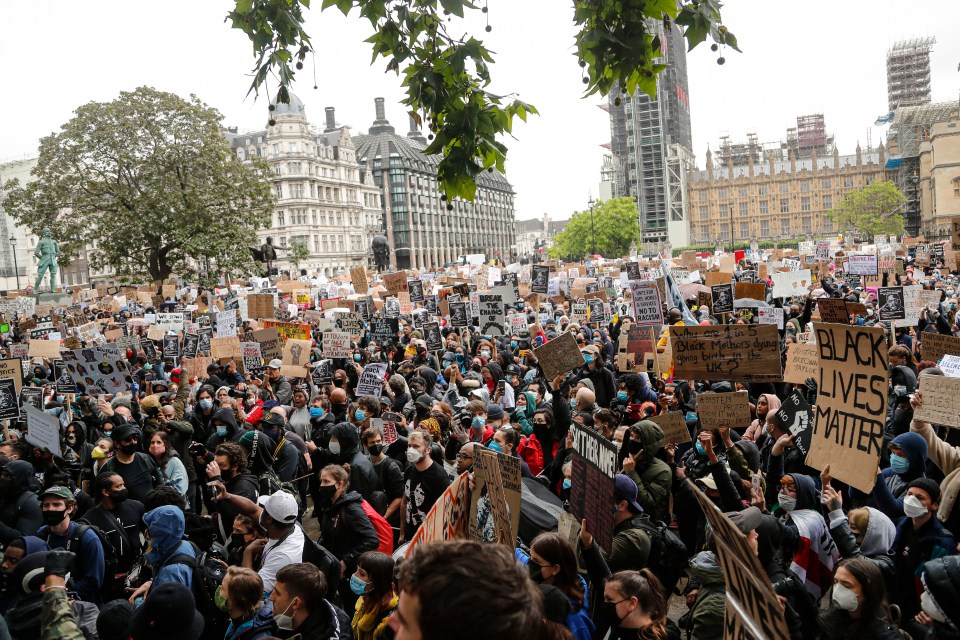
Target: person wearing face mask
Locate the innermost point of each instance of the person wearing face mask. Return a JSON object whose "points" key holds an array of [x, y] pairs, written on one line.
{"points": [[101, 452], [241, 596], [229, 466], [652, 475], [373, 583], [17, 550], [946, 458], [139, 471], [346, 449], [75, 450], [59, 532], [345, 529], [921, 537], [631, 544], [767, 404], [253, 406], [338, 405], [168, 461], [908, 459], [20, 513], [301, 609], [424, 482], [553, 561], [858, 604], [202, 414], [941, 593], [805, 535], [386, 500], [121, 520], [223, 428]]}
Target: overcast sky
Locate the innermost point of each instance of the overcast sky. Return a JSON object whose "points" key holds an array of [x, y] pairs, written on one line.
{"points": [[828, 57]]}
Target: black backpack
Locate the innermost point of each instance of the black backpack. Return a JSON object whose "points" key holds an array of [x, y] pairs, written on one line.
{"points": [[318, 555], [110, 556], [208, 574], [668, 554]]}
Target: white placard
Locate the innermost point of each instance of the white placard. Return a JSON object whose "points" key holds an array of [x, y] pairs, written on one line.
{"points": [[336, 344], [770, 315], [863, 264], [791, 283], [43, 430]]}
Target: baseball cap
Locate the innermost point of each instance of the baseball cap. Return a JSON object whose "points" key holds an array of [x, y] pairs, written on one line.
{"points": [[281, 506], [59, 492], [626, 489], [746, 520], [276, 363]]}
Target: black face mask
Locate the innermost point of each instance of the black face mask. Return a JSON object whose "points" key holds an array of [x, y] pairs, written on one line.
{"points": [[53, 518], [120, 496], [338, 382], [128, 449], [608, 612], [375, 450], [325, 495], [634, 446], [536, 571]]}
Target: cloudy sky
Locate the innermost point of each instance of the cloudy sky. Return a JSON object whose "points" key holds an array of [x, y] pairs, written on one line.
{"points": [[827, 58]]}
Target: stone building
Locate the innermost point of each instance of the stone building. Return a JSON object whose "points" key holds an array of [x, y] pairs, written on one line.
{"points": [[536, 234], [325, 199], [940, 178], [421, 230], [775, 198]]}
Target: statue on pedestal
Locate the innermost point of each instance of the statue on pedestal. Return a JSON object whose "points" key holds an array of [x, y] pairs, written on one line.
{"points": [[266, 254], [381, 252], [47, 251]]}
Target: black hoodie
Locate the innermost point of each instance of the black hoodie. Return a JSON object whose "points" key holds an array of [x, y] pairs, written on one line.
{"points": [[20, 513], [227, 418], [363, 477]]}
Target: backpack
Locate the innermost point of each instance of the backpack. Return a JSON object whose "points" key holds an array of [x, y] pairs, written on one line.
{"points": [[531, 452], [268, 482], [318, 555], [208, 574], [668, 554], [383, 528], [110, 556]]}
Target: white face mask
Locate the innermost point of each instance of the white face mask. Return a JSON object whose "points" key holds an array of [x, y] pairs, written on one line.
{"points": [[335, 448], [787, 503], [284, 621], [913, 508], [930, 607], [844, 598], [413, 456]]}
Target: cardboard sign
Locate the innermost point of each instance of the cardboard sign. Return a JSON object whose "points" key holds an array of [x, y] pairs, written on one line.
{"points": [[941, 401], [195, 368], [336, 344], [751, 290], [251, 359], [723, 410], [803, 362], [358, 276], [226, 324], [371, 379], [647, 305], [746, 353], [49, 349], [911, 305], [9, 400], [833, 310], [721, 296], [225, 347], [383, 331], [674, 426], [495, 498], [43, 430], [260, 306], [863, 264], [796, 416], [591, 492], [787, 284], [751, 609], [449, 517], [934, 346], [395, 282], [851, 403], [711, 278], [296, 353], [891, 305], [491, 315], [559, 355], [269, 343], [12, 369]]}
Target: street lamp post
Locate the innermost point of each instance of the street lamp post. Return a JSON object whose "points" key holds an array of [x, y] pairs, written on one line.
{"points": [[593, 239], [16, 267]]}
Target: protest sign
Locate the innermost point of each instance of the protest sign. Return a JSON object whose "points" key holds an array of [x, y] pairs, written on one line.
{"points": [[723, 410], [491, 314], [928, 299], [459, 316], [269, 343], [415, 289], [49, 349], [752, 290], [296, 353], [787, 284], [890, 305], [358, 276], [322, 373], [336, 344], [495, 498], [863, 264], [371, 379], [191, 345], [250, 357], [449, 518], [851, 403], [647, 306], [934, 346], [288, 330], [226, 324], [43, 430], [796, 416], [171, 347], [260, 306], [12, 369], [911, 306], [751, 607], [170, 321], [803, 362], [941, 401], [833, 310], [721, 296], [395, 282], [383, 331], [351, 323], [950, 365], [591, 492], [195, 368], [64, 383], [224, 347], [596, 311], [823, 250], [633, 270], [748, 353], [432, 336], [674, 426], [540, 280], [31, 397], [9, 403], [558, 355]]}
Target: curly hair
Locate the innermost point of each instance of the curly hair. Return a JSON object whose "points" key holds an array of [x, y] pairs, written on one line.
{"points": [[235, 454]]}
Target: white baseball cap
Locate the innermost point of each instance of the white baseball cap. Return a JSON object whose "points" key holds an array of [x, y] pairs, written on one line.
{"points": [[281, 506]]}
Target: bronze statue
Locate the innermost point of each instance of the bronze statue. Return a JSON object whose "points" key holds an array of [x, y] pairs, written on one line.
{"points": [[381, 252], [266, 254], [47, 251]]}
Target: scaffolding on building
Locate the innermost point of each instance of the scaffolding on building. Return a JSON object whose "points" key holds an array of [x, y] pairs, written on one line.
{"points": [[908, 72], [809, 136], [740, 153]]}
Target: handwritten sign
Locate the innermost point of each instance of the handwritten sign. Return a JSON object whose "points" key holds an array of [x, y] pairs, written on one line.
{"points": [[803, 362], [491, 316], [787, 284], [647, 306], [941, 401], [43, 430], [336, 344], [559, 355], [269, 343], [723, 409], [591, 492], [833, 310], [748, 353], [358, 276], [863, 264], [934, 346], [851, 403], [674, 427]]}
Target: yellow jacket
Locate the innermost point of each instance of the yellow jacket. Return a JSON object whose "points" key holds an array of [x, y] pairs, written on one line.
{"points": [[367, 626]]}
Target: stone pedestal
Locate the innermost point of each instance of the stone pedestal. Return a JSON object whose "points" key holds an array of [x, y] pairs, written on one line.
{"points": [[59, 299]]}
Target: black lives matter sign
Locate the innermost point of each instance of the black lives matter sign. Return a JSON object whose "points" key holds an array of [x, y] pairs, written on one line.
{"points": [[591, 491]]}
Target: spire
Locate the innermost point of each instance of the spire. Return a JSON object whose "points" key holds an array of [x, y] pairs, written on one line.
{"points": [[381, 124]]}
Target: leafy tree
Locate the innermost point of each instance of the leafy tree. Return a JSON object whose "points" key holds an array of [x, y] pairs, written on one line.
{"points": [[613, 227], [871, 211], [297, 252], [446, 76], [149, 182]]}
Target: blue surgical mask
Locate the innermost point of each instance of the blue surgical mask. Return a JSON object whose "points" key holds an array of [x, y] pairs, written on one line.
{"points": [[567, 482], [358, 586], [700, 449], [459, 357], [221, 431], [899, 464], [587, 358], [493, 446], [477, 422], [206, 404], [573, 402], [622, 396], [360, 415], [691, 416], [356, 357], [513, 344], [316, 412]]}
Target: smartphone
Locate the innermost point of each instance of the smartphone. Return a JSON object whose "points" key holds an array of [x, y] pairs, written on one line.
{"points": [[500, 387], [390, 416]]}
